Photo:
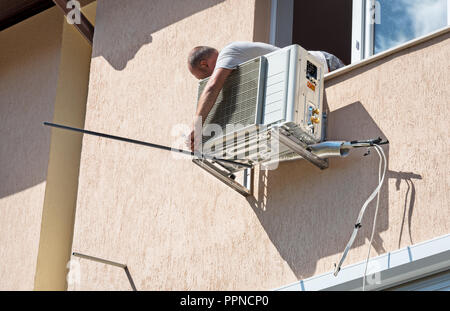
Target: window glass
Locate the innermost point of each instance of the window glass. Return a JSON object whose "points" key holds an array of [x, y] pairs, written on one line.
{"points": [[403, 20]]}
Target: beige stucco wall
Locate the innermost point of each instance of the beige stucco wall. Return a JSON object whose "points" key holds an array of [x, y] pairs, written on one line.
{"points": [[64, 159], [178, 228], [29, 61]]}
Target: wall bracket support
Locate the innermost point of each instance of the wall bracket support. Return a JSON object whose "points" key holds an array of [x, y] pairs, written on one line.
{"points": [[284, 137], [225, 177]]}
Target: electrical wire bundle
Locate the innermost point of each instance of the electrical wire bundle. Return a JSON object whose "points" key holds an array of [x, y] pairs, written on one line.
{"points": [[375, 193]]}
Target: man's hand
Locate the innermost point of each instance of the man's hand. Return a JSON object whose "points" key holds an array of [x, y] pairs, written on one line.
{"points": [[193, 140]]}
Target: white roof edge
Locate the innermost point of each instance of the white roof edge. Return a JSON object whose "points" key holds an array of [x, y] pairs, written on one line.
{"points": [[386, 53], [386, 270]]}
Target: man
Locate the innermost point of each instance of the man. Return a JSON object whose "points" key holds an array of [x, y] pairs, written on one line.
{"points": [[204, 61]]}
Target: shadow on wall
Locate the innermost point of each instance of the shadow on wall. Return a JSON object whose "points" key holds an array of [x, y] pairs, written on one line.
{"points": [[26, 100], [409, 196], [144, 18], [309, 214], [25, 147]]}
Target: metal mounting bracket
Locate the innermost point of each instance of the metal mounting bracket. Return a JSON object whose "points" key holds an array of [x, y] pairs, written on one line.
{"points": [[298, 147], [225, 177]]}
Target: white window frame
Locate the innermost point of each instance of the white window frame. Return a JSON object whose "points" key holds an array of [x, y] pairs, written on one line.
{"points": [[363, 28], [365, 14], [388, 270], [448, 12]]}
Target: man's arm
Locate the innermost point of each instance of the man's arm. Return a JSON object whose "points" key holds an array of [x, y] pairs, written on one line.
{"points": [[211, 92], [209, 97]]}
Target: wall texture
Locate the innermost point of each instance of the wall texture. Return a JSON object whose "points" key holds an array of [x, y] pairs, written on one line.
{"points": [[58, 213], [29, 61], [178, 228]]}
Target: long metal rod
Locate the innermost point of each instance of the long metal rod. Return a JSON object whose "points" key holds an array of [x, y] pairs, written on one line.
{"points": [[138, 142]]}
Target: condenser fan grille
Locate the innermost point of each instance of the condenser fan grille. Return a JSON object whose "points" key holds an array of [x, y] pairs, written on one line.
{"points": [[239, 99]]}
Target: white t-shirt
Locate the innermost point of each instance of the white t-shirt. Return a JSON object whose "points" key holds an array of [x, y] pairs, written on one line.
{"points": [[239, 52]]}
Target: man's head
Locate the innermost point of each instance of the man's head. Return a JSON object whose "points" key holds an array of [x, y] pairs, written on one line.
{"points": [[202, 60]]}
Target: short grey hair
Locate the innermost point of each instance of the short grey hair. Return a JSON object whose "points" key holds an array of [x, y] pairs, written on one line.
{"points": [[198, 54]]}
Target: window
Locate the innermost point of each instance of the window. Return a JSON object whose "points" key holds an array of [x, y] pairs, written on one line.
{"points": [[379, 25], [324, 25]]}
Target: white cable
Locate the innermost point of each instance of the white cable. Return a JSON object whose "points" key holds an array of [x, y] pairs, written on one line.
{"points": [[380, 153], [374, 221], [361, 213]]}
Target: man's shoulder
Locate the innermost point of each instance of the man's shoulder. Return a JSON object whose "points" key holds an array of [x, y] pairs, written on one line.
{"points": [[244, 45], [239, 52]]}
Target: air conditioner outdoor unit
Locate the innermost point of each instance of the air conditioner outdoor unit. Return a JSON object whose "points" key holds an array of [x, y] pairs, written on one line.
{"points": [[283, 89]]}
